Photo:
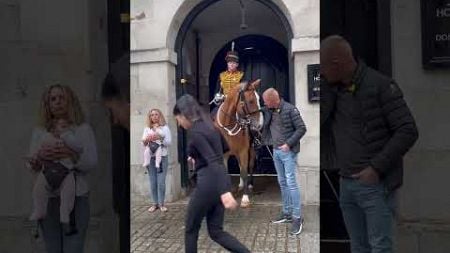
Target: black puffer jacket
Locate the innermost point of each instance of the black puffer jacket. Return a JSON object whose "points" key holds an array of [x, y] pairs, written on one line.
{"points": [[293, 127], [388, 127]]}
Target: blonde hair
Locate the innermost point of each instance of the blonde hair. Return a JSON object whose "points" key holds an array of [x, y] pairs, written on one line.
{"points": [[162, 120], [74, 112]]}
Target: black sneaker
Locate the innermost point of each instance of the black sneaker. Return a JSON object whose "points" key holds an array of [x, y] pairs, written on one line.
{"points": [[283, 218], [297, 226]]}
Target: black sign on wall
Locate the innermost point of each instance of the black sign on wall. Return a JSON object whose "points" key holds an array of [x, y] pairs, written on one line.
{"points": [[435, 33], [314, 83]]}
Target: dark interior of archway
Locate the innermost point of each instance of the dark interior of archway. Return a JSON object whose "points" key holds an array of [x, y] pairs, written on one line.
{"points": [[118, 46], [260, 57], [362, 23], [355, 20], [185, 27]]}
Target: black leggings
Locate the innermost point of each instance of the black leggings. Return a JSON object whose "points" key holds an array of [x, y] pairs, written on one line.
{"points": [[202, 205]]}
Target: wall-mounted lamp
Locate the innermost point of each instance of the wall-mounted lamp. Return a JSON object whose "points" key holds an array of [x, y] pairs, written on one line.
{"points": [[243, 25], [126, 18], [139, 16]]}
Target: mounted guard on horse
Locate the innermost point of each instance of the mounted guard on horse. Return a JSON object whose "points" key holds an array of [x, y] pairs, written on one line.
{"points": [[238, 117]]}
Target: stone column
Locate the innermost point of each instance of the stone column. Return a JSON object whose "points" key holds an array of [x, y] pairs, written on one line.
{"points": [[305, 50]]}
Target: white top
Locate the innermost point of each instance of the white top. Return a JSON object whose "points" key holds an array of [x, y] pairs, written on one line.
{"points": [[87, 158], [167, 138], [70, 140]]}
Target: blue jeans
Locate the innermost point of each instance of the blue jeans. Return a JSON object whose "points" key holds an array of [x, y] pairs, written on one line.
{"points": [[54, 238], [158, 180], [368, 216], [286, 167]]}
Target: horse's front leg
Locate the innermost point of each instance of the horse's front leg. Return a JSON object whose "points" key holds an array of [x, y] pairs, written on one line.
{"points": [[251, 167], [226, 156], [243, 164], [241, 182]]}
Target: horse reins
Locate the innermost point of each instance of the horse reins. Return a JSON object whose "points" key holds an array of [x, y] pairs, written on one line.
{"points": [[240, 121], [231, 132]]}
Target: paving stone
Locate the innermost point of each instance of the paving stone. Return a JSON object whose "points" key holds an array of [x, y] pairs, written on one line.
{"points": [[164, 232]]}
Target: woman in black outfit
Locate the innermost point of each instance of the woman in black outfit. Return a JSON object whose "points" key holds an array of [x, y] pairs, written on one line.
{"points": [[213, 185]]}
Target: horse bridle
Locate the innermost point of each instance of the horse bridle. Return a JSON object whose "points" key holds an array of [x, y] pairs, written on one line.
{"points": [[241, 121], [246, 111]]}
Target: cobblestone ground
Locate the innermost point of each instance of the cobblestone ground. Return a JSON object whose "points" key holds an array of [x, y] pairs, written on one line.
{"points": [[164, 232]]}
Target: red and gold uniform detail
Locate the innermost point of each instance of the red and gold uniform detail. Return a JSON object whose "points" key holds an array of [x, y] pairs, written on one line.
{"points": [[228, 80]]}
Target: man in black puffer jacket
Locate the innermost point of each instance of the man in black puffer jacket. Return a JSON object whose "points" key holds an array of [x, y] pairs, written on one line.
{"points": [[366, 129], [283, 128]]}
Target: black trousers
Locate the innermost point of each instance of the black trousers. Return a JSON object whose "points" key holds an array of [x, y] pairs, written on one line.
{"points": [[124, 226], [205, 202]]}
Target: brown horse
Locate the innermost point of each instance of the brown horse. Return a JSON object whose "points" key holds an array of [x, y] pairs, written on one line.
{"points": [[237, 115]]}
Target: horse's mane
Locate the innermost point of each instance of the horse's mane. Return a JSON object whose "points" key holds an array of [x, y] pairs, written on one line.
{"points": [[235, 90]]}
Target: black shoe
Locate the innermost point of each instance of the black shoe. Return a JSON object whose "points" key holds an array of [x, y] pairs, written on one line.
{"points": [[36, 229], [69, 229], [283, 218], [297, 226]]}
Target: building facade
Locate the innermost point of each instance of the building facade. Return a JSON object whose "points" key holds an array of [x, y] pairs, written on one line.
{"points": [[186, 39]]}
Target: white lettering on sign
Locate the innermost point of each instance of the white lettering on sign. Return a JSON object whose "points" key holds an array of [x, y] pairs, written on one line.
{"points": [[443, 12], [317, 78], [443, 37]]}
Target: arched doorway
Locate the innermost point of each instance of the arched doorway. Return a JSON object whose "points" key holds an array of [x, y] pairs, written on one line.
{"points": [[260, 57], [205, 31]]}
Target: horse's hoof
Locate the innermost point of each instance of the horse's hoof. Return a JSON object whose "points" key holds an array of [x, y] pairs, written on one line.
{"points": [[245, 204]]}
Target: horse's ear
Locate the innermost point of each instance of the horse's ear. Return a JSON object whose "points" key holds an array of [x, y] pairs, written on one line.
{"points": [[243, 86], [255, 83]]}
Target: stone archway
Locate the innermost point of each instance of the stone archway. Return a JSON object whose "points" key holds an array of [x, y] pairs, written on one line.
{"points": [[198, 19], [188, 10]]}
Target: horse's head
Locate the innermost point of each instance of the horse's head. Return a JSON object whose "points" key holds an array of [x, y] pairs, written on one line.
{"points": [[248, 106]]}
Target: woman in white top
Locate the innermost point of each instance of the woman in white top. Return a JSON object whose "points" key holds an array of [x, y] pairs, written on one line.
{"points": [[59, 102], [157, 131]]}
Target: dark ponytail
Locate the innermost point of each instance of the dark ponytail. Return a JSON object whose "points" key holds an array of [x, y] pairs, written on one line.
{"points": [[188, 107]]}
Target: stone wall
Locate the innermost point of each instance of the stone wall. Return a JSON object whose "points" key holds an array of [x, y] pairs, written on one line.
{"points": [[44, 43], [424, 223]]}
